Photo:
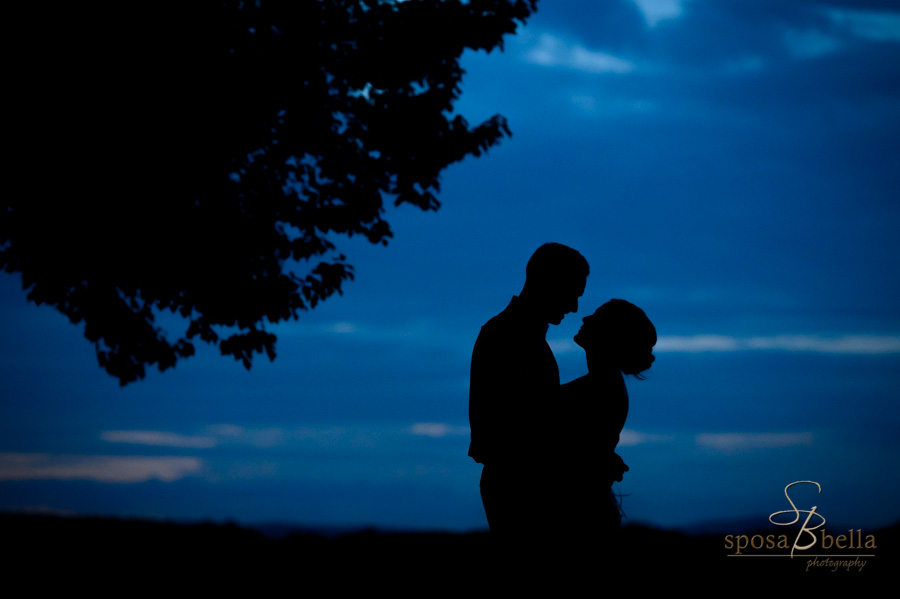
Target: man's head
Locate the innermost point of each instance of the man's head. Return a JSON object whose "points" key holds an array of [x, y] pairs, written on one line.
{"points": [[554, 280]]}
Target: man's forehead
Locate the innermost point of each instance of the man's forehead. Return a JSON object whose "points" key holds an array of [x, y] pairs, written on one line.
{"points": [[578, 285], [566, 285]]}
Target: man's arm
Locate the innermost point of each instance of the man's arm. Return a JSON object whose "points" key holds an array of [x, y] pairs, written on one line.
{"points": [[509, 391]]}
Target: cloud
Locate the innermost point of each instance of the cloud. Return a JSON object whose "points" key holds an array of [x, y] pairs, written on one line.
{"points": [[551, 51], [736, 37], [348, 436], [630, 438], [214, 436], [343, 327], [811, 43], [880, 26], [614, 107], [655, 11], [234, 434], [437, 429], [692, 344], [106, 469], [158, 439], [841, 344], [696, 343], [736, 442], [416, 333]]}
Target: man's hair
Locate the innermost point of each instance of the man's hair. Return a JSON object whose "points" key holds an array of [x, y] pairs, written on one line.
{"points": [[555, 261]]}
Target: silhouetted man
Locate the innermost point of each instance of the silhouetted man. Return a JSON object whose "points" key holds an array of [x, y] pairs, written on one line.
{"points": [[514, 380]]}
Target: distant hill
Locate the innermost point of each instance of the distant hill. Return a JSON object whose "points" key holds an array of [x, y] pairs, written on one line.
{"points": [[105, 553]]}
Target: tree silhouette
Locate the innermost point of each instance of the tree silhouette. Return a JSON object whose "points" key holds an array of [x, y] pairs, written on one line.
{"points": [[202, 159]]}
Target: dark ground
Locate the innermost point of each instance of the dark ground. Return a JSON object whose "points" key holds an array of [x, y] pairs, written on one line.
{"points": [[118, 556]]}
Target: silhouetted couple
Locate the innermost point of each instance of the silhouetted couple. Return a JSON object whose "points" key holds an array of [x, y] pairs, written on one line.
{"points": [[549, 450]]}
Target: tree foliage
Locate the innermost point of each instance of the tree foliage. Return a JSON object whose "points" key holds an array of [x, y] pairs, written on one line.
{"points": [[201, 158]]}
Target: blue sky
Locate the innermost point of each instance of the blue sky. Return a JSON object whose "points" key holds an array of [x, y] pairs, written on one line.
{"points": [[731, 167]]}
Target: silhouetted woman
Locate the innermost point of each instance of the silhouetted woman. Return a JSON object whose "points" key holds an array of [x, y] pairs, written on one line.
{"points": [[618, 339]]}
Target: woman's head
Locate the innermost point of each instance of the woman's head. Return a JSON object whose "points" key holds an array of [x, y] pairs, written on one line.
{"points": [[622, 334]]}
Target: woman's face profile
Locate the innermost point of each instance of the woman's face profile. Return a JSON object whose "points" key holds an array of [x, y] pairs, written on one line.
{"points": [[588, 335], [626, 338]]}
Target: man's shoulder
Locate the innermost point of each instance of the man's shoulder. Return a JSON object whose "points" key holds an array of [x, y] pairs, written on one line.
{"points": [[498, 323], [503, 328], [512, 318]]}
